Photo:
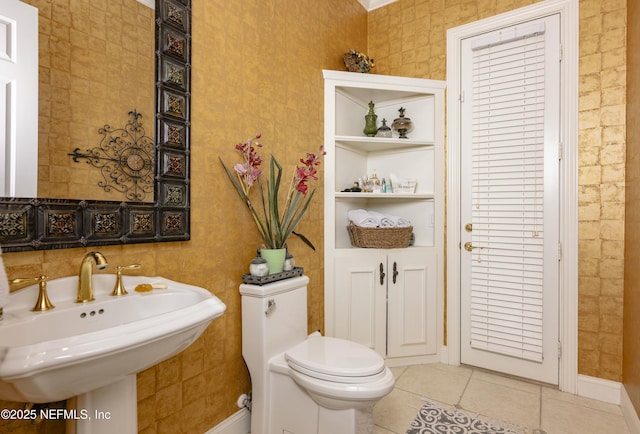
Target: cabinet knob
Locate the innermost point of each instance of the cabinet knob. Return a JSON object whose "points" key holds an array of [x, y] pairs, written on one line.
{"points": [[381, 274]]}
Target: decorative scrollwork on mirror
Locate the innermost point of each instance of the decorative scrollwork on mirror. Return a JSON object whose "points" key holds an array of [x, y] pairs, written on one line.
{"points": [[40, 223], [124, 157]]}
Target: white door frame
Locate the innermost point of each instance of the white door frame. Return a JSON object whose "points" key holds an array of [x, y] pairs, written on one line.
{"points": [[568, 321]]}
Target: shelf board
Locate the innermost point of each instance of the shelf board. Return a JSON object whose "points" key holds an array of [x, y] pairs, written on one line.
{"points": [[354, 248], [390, 196], [369, 144]]}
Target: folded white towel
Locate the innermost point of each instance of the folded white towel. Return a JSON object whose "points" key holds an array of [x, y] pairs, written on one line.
{"points": [[391, 221], [399, 222], [4, 284], [383, 220], [363, 218]]}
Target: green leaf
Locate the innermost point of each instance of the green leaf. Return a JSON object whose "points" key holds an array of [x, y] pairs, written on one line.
{"points": [[304, 239]]}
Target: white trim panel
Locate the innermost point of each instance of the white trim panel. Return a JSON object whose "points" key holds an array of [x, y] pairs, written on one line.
{"points": [[599, 389], [238, 423]]}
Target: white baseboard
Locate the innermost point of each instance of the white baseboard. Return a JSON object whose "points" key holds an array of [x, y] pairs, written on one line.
{"points": [[444, 354], [600, 389], [394, 362], [629, 412], [237, 423]]}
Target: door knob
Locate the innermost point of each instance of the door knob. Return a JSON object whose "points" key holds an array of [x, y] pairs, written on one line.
{"points": [[469, 247]]}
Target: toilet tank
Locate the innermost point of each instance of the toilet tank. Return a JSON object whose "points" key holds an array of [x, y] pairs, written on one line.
{"points": [[274, 317]]}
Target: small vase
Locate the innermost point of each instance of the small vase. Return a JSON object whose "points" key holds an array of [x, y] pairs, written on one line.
{"points": [[371, 124], [275, 259]]}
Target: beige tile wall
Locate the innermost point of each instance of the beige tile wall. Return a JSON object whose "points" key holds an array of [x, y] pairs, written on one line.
{"points": [[256, 68], [409, 38]]}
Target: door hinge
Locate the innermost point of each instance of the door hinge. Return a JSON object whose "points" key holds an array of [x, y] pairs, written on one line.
{"points": [[559, 252], [560, 150], [559, 349], [561, 53], [461, 97]]}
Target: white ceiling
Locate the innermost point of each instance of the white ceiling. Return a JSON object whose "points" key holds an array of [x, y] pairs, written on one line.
{"points": [[370, 5]]}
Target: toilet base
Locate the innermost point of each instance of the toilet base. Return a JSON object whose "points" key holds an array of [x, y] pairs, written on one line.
{"points": [[354, 421], [290, 409]]}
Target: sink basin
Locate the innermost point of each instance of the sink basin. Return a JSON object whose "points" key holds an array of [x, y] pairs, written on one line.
{"points": [[79, 347]]}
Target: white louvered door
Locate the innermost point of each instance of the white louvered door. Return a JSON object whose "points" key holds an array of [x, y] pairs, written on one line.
{"points": [[510, 189]]}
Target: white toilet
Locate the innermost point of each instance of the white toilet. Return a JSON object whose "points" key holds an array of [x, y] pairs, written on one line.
{"points": [[305, 384]]}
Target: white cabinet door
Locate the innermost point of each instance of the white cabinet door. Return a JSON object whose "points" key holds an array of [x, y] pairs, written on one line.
{"points": [[386, 300], [360, 307], [412, 303]]}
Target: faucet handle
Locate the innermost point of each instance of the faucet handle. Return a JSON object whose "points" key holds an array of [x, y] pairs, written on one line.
{"points": [[43, 303], [119, 289]]}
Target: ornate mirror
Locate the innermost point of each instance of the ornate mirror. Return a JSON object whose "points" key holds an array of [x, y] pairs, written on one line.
{"points": [[44, 223]]}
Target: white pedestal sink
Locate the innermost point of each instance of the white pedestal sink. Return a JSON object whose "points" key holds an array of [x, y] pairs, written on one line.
{"points": [[92, 416], [93, 350]]}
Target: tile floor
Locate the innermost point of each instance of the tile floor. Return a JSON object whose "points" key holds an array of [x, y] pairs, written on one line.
{"points": [[533, 406]]}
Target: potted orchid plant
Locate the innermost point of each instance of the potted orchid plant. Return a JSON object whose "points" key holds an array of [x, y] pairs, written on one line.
{"points": [[275, 223]]}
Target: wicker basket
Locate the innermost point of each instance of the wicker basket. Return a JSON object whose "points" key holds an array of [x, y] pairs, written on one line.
{"points": [[380, 238]]}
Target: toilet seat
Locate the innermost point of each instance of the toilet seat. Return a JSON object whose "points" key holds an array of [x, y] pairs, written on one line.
{"points": [[336, 360]]}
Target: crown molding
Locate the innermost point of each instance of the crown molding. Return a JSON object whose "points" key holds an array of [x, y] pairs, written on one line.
{"points": [[370, 5], [149, 3]]}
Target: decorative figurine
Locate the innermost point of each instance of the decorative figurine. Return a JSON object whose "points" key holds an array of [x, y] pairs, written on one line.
{"points": [[384, 130], [401, 124]]}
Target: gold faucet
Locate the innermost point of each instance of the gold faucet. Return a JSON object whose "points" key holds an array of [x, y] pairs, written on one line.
{"points": [[85, 286]]}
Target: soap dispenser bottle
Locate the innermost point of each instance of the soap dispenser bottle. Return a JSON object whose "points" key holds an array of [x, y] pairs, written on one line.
{"points": [[376, 185]]}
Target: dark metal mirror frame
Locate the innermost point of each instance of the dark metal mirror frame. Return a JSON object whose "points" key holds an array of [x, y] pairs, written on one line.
{"points": [[28, 224]]}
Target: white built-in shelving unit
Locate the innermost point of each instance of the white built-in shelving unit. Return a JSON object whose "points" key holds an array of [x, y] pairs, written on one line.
{"points": [[388, 299]]}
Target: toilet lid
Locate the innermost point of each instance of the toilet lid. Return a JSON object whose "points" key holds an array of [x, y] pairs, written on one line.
{"points": [[328, 358]]}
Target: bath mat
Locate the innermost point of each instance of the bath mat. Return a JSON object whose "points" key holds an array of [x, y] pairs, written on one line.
{"points": [[435, 419]]}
